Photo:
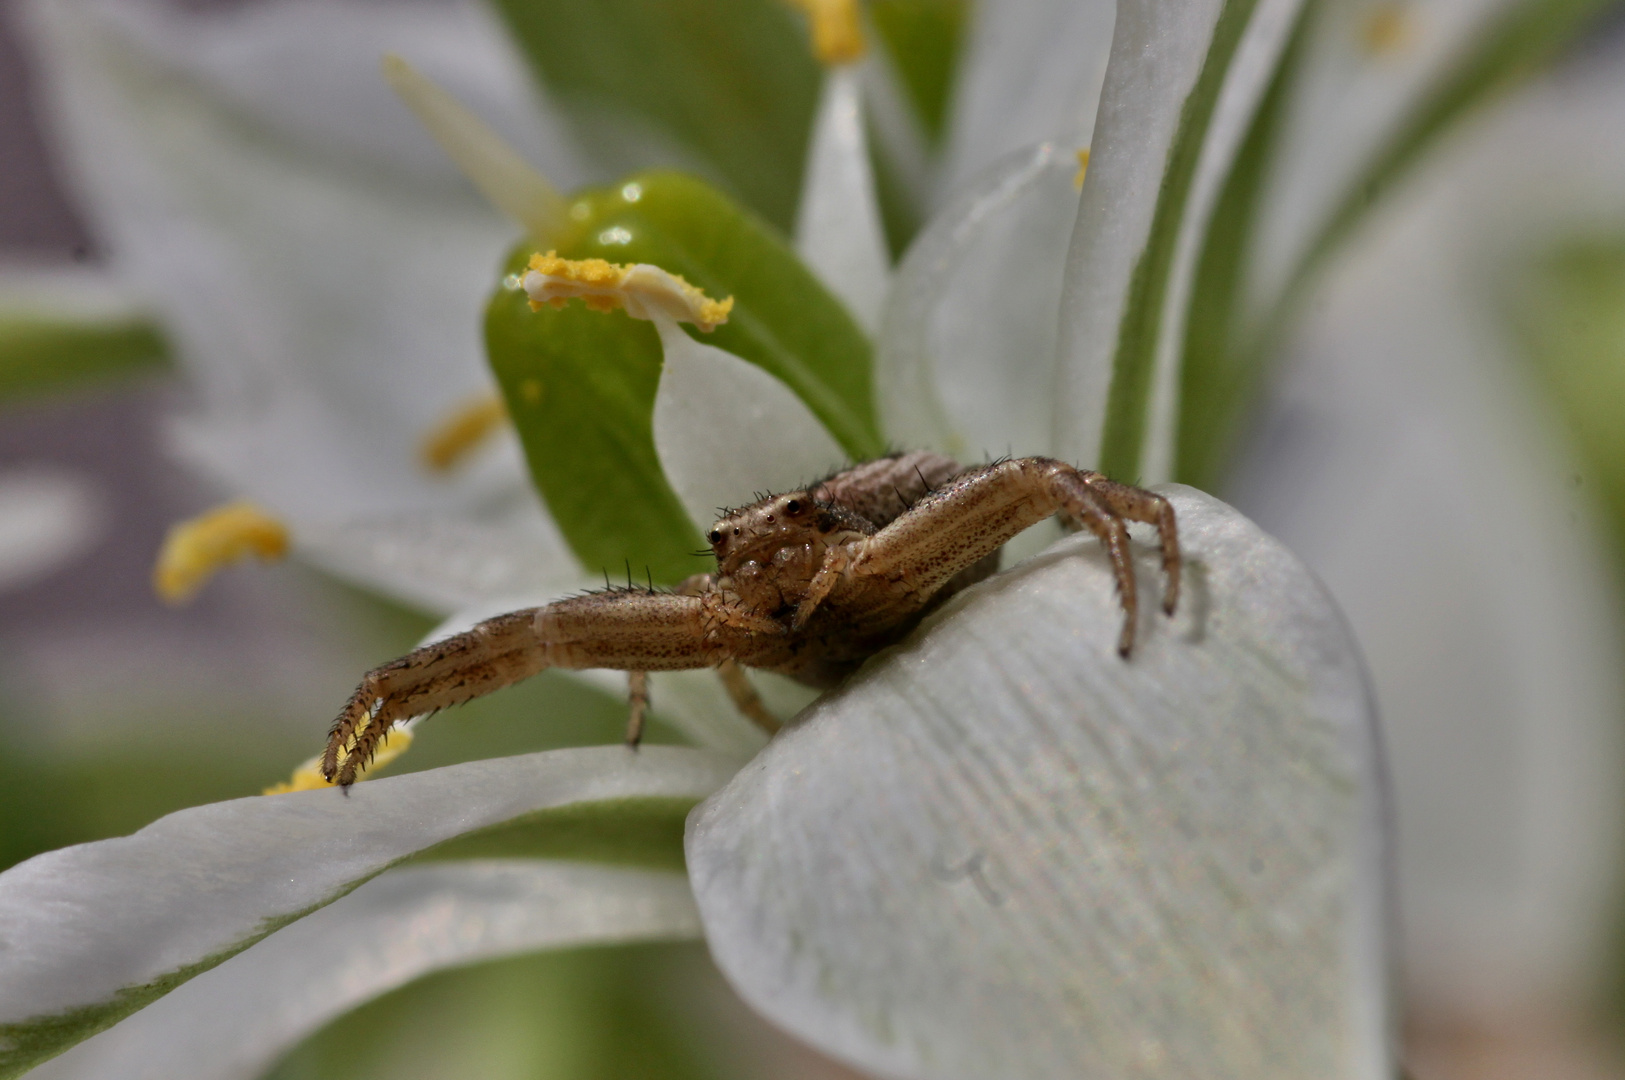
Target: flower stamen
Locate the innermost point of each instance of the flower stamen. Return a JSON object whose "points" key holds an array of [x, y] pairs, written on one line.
{"points": [[837, 30], [194, 550], [645, 291], [1388, 28], [452, 440], [308, 776]]}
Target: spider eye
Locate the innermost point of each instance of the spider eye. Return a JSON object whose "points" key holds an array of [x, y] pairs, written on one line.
{"points": [[714, 536], [793, 506]]}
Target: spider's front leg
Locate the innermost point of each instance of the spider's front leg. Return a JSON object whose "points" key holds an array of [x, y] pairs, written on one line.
{"points": [[627, 629], [905, 564]]}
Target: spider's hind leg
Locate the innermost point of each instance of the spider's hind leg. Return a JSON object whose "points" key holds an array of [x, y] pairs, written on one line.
{"points": [[745, 697], [1138, 504], [637, 683]]}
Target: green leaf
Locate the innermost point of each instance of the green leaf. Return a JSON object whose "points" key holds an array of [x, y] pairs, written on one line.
{"points": [[923, 39], [581, 385], [42, 354], [784, 321], [732, 82]]}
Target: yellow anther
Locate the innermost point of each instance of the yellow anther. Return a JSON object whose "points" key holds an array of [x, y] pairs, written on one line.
{"points": [[1083, 168], [837, 30], [462, 431], [195, 549], [308, 777], [646, 292], [1388, 29]]}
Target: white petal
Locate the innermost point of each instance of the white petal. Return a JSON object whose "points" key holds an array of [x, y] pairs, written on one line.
{"points": [[445, 563], [233, 1022], [502, 174], [1408, 458], [310, 70], [723, 426], [328, 307], [48, 518], [1347, 101], [1004, 851], [77, 293], [1032, 71], [1251, 70], [965, 361], [95, 930], [1158, 50], [838, 230], [695, 703]]}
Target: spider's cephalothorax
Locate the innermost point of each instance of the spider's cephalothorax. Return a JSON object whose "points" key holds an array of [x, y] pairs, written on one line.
{"points": [[808, 583]]}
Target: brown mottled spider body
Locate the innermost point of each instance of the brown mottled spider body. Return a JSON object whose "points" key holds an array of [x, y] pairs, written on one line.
{"points": [[808, 584]]}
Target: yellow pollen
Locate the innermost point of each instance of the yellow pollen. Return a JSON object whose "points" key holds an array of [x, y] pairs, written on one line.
{"points": [[645, 291], [1388, 29], [308, 776], [462, 431], [837, 31], [195, 549], [1083, 168]]}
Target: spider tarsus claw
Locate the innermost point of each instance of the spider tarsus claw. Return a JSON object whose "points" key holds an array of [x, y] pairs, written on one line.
{"points": [[1125, 640]]}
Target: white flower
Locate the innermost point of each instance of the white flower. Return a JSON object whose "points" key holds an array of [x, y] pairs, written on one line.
{"points": [[999, 850]]}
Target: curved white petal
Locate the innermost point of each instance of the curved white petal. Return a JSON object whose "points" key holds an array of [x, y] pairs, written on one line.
{"points": [[723, 426], [445, 563], [1253, 67], [1408, 458], [965, 360], [1365, 69], [326, 306], [310, 70], [1032, 71], [1002, 850], [233, 1022], [88, 934], [838, 230], [1158, 49]]}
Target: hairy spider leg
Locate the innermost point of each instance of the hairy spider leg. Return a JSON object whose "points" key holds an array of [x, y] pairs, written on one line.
{"points": [[734, 680], [626, 629], [1137, 504], [744, 696], [972, 516], [637, 685]]}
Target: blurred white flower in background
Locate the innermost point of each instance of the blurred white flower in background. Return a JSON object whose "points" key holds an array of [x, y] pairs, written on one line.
{"points": [[1416, 459]]}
